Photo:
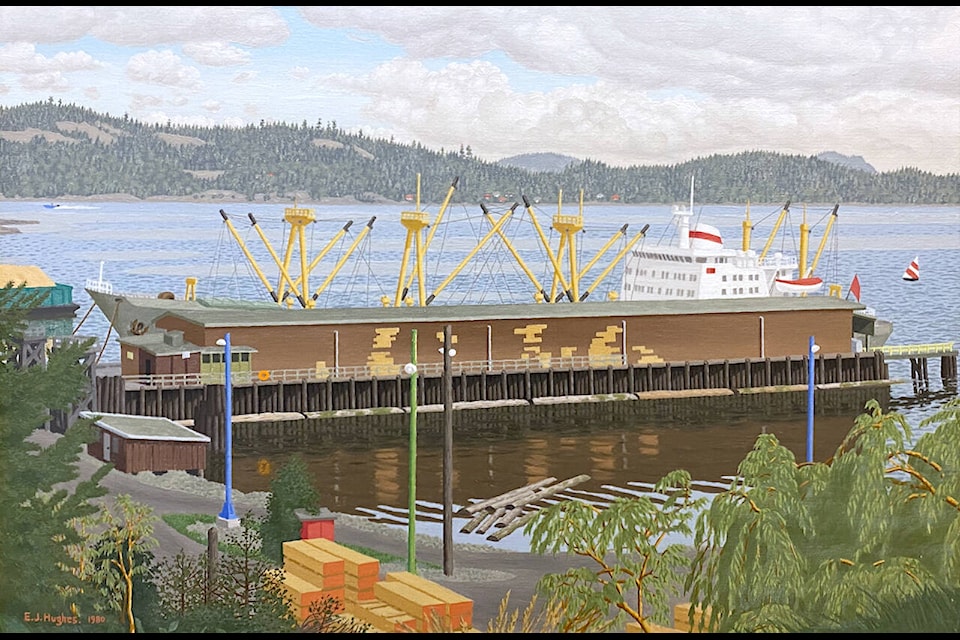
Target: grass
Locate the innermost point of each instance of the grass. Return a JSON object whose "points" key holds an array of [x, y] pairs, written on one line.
{"points": [[181, 522]]}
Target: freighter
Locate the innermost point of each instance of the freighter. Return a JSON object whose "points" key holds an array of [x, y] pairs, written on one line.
{"points": [[695, 283]]}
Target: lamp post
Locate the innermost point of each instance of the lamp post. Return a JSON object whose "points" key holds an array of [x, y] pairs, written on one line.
{"points": [[411, 369], [813, 348], [228, 516], [448, 353]]}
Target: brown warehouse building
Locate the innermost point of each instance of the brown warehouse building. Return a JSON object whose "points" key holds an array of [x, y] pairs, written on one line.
{"points": [[377, 341]]}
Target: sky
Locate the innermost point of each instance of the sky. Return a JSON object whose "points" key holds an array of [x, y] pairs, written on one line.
{"points": [[620, 85]]}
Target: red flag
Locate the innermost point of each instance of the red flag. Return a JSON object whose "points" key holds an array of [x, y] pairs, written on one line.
{"points": [[855, 287]]}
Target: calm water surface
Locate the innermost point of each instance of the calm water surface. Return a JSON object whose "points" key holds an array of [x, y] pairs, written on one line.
{"points": [[361, 464]]}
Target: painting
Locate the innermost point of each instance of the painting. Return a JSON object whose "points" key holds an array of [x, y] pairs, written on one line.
{"points": [[631, 424]]}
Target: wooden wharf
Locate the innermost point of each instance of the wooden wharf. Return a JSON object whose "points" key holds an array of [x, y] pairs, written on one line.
{"points": [[326, 397], [918, 354], [311, 397]]}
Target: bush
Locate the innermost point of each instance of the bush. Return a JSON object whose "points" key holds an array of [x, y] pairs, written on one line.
{"points": [[291, 489]]}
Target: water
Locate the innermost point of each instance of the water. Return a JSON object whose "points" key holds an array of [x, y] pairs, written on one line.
{"points": [[153, 247]]}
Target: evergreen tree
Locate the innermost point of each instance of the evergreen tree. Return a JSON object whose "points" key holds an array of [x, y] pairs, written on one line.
{"points": [[291, 489], [36, 506]]}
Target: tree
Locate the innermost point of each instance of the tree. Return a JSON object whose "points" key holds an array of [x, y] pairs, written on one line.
{"points": [[115, 557], [633, 541], [36, 504], [793, 546], [291, 489], [248, 594]]}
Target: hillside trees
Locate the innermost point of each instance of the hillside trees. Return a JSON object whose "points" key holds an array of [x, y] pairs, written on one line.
{"points": [[274, 161]]}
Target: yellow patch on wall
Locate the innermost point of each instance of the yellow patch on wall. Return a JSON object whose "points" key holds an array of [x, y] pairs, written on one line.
{"points": [[453, 338], [647, 356], [601, 352], [384, 337]]}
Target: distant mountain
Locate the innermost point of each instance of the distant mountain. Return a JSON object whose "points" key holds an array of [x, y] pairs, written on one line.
{"points": [[850, 162], [540, 162]]}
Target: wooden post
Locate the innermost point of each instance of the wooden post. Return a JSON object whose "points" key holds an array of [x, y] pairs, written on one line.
{"points": [[213, 560]]}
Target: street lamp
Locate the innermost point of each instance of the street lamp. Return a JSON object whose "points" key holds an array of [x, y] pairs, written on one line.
{"points": [[411, 370], [448, 353], [814, 348], [228, 516]]}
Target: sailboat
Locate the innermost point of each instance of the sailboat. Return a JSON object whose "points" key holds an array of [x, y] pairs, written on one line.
{"points": [[912, 272]]}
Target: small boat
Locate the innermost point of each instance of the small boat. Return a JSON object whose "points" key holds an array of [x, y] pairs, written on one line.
{"points": [[912, 272], [799, 285], [51, 206]]}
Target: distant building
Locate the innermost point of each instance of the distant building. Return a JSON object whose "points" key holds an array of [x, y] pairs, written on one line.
{"points": [[56, 315]]}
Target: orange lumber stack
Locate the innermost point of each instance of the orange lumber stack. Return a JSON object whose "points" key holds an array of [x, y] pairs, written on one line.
{"points": [[311, 575], [457, 609], [382, 616], [360, 571], [424, 607]]}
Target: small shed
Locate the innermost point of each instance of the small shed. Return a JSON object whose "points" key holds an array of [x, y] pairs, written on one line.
{"points": [[146, 443]]}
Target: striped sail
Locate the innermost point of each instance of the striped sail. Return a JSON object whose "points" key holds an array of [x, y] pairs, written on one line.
{"points": [[912, 272]]}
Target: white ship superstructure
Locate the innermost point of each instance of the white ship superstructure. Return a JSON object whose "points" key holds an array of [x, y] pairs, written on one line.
{"points": [[700, 267]]}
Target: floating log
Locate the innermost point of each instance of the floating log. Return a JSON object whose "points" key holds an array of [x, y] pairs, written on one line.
{"points": [[506, 511], [476, 506], [491, 520], [500, 534]]}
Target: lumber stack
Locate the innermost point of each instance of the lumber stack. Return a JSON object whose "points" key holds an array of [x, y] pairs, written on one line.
{"points": [[361, 571], [457, 610], [311, 575], [317, 568]]}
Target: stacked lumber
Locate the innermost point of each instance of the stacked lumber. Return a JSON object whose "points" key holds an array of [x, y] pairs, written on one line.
{"points": [[361, 571], [311, 575], [457, 609], [382, 616], [316, 568]]}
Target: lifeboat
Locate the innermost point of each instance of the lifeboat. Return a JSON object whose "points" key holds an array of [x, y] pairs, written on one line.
{"points": [[800, 285]]}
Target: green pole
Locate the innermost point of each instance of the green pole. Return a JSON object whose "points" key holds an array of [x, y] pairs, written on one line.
{"points": [[412, 478]]}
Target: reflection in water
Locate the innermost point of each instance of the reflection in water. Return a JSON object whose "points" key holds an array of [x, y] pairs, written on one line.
{"points": [[360, 464]]}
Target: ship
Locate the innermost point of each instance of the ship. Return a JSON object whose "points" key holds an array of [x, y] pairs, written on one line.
{"points": [[697, 265], [700, 249]]}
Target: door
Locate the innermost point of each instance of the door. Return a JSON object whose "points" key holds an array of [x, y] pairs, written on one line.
{"points": [[106, 446]]}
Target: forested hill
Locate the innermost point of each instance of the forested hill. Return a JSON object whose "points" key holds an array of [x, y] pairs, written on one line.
{"points": [[50, 150]]}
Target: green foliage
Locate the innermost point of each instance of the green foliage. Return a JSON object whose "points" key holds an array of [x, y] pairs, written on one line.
{"points": [[36, 501], [931, 609], [291, 489], [115, 557], [791, 545], [247, 594], [639, 568]]}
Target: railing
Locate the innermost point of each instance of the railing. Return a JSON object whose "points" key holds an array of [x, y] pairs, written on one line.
{"points": [[911, 350], [376, 371]]}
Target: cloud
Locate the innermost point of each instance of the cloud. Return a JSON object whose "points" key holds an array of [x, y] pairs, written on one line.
{"points": [[216, 54], [20, 57], [163, 68]]}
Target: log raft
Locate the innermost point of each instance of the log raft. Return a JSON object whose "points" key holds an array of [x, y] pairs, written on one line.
{"points": [[511, 510]]}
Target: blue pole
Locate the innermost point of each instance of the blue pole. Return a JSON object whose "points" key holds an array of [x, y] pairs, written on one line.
{"points": [[227, 513], [810, 377]]}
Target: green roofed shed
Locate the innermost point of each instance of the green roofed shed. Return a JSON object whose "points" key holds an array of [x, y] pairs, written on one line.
{"points": [[147, 443]]}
